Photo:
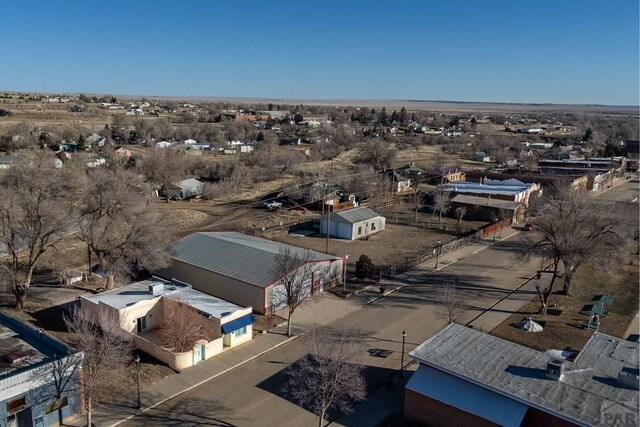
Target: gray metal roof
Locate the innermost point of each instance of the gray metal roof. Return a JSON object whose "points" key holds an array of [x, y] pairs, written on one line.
{"points": [[188, 183], [355, 215], [485, 201], [588, 389], [236, 255]]}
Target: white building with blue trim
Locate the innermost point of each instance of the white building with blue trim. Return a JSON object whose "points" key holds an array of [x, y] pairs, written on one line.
{"points": [[38, 376], [143, 307]]}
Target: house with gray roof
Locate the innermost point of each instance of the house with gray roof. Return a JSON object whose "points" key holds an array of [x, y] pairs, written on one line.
{"points": [[470, 378], [143, 307], [240, 268], [352, 224]]}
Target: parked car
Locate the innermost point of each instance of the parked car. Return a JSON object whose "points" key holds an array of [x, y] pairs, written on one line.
{"points": [[272, 205], [529, 227]]}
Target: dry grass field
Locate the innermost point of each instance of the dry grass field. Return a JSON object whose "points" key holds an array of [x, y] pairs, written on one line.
{"points": [[567, 330]]}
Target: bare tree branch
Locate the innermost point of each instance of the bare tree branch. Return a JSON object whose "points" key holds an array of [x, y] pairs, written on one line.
{"points": [[328, 378], [107, 352], [294, 270]]}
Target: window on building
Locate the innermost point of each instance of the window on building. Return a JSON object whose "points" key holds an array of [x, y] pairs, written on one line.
{"points": [[373, 226], [39, 421], [359, 230], [241, 331], [142, 324]]}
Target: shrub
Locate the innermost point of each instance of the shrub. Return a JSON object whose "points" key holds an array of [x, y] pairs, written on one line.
{"points": [[364, 267]]}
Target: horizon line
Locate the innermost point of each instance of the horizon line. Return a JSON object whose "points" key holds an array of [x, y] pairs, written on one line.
{"points": [[307, 100]]}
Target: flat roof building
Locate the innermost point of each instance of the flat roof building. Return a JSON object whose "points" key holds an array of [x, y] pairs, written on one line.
{"points": [[28, 393]]}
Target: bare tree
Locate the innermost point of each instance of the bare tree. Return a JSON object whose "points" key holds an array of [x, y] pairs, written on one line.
{"points": [[329, 376], [367, 183], [107, 352], [442, 203], [294, 270], [544, 290], [418, 198], [35, 214], [182, 327], [377, 153], [58, 378], [460, 214], [163, 167], [578, 231], [118, 225], [450, 302]]}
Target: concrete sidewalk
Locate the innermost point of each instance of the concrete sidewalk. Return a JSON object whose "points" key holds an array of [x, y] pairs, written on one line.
{"points": [[323, 309], [176, 384]]}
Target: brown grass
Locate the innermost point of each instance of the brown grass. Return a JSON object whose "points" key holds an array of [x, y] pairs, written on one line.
{"points": [[567, 330]]}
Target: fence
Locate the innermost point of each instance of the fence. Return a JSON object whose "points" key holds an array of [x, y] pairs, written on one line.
{"points": [[413, 261]]}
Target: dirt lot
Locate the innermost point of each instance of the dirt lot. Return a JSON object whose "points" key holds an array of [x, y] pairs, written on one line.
{"points": [[402, 238], [567, 330]]}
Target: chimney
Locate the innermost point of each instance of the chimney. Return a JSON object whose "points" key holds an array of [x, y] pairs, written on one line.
{"points": [[156, 288], [555, 369]]}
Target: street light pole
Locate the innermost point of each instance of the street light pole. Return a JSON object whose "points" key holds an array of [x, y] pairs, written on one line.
{"points": [[404, 337], [344, 279], [137, 360], [438, 252]]}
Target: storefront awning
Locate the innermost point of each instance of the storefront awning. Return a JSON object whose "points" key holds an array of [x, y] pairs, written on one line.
{"points": [[238, 323]]}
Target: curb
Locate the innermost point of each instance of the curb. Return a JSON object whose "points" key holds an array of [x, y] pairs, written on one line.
{"points": [[441, 268], [191, 387]]}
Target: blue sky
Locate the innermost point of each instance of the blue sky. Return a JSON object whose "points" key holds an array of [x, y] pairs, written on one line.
{"points": [[567, 51]]}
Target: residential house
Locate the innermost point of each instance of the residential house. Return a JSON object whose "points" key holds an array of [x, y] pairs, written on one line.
{"points": [[403, 178], [187, 189], [469, 378], [351, 224], [164, 144], [240, 268], [480, 156], [28, 359], [95, 139], [143, 307], [443, 175]]}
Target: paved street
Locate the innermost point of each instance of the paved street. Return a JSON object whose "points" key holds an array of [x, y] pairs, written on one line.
{"points": [[626, 191], [252, 395]]}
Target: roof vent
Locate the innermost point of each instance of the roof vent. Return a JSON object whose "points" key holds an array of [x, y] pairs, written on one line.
{"points": [[555, 369], [156, 288], [628, 378]]}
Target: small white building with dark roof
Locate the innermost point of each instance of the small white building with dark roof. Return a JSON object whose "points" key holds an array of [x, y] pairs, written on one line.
{"points": [[352, 224]]}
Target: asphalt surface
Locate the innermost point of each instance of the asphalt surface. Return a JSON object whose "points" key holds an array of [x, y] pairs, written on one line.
{"points": [[625, 192], [252, 395]]}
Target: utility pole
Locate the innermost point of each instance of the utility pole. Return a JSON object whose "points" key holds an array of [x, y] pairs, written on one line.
{"points": [[326, 250]]}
